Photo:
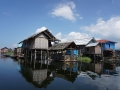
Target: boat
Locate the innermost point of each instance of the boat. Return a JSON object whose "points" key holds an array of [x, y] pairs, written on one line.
{"points": [[13, 56], [21, 57], [6, 55]]}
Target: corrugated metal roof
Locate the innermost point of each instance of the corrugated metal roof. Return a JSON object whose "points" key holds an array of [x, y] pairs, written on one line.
{"points": [[92, 44], [83, 41]]}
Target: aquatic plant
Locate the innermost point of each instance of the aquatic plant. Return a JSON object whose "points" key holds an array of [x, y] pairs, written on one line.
{"points": [[9, 53], [84, 59]]}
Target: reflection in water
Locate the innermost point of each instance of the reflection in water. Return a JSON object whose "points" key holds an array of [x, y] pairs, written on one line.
{"points": [[110, 69], [58, 75], [35, 74], [42, 74]]}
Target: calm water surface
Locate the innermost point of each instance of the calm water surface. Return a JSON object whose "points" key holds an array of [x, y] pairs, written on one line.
{"points": [[21, 75]]}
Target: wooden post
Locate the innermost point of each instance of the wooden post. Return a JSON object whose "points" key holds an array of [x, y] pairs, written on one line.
{"points": [[31, 54], [47, 56], [41, 55], [94, 58], [26, 53], [35, 55], [34, 64]]}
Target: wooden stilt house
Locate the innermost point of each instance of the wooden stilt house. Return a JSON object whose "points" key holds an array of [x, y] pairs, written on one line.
{"points": [[90, 47], [107, 47], [64, 51], [81, 44], [36, 46]]}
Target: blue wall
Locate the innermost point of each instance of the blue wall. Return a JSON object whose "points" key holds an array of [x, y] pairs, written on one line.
{"points": [[75, 52], [108, 45]]}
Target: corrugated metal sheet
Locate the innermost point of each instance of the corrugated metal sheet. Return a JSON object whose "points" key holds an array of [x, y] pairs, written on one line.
{"points": [[83, 41], [92, 44]]}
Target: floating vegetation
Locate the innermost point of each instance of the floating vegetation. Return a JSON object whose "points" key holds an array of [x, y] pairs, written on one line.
{"points": [[84, 59]]}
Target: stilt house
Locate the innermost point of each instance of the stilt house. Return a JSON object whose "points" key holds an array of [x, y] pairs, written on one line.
{"points": [[81, 44], [63, 51], [107, 47], [36, 46]]}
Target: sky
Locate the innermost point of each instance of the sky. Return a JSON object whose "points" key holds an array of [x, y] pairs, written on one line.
{"points": [[68, 20]]}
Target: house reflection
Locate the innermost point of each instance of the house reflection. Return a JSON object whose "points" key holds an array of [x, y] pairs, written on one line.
{"points": [[39, 77], [94, 67], [90, 70], [42, 74], [110, 69], [67, 71]]}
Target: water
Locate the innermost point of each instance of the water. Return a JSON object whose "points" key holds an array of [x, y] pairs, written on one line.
{"points": [[20, 75]]}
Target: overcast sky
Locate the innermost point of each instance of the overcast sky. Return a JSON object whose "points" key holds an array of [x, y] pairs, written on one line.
{"points": [[68, 20]]}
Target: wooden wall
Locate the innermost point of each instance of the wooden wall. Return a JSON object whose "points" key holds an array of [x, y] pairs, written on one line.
{"points": [[93, 50], [18, 50], [98, 49], [31, 44], [41, 42], [90, 50]]}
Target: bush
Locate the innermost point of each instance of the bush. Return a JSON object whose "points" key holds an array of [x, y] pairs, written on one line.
{"points": [[84, 59], [9, 53]]}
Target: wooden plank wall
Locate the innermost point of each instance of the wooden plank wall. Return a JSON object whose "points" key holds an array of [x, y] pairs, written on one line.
{"points": [[41, 42], [97, 49]]}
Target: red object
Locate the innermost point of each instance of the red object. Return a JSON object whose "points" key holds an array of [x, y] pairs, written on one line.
{"points": [[2, 50], [104, 41]]}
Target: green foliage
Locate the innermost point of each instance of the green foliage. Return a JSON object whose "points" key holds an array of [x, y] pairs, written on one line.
{"points": [[9, 53], [84, 59]]}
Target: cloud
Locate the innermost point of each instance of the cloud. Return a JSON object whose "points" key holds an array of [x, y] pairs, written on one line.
{"points": [[109, 29], [5, 13], [58, 36], [66, 11], [117, 45], [77, 37], [41, 29], [15, 45]]}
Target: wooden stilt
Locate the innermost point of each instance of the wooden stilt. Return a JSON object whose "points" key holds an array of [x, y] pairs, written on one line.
{"points": [[26, 53], [31, 54], [34, 64], [94, 58], [35, 54], [41, 55]]}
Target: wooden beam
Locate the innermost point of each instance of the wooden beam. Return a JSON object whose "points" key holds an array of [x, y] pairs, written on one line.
{"points": [[47, 34]]}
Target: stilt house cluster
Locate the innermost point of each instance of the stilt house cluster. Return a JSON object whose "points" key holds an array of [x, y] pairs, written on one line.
{"points": [[44, 45]]}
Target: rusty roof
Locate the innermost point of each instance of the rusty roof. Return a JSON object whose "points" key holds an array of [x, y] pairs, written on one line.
{"points": [[104, 41]]}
